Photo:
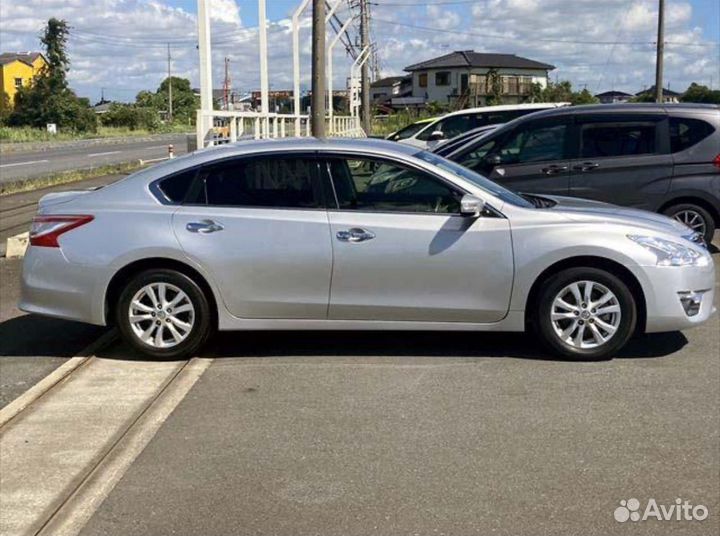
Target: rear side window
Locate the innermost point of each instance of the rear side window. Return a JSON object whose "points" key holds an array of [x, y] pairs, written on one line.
{"points": [[617, 139], [176, 187], [262, 182], [450, 127], [686, 132]]}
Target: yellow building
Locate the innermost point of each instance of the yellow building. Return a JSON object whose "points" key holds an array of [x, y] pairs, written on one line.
{"points": [[18, 69]]}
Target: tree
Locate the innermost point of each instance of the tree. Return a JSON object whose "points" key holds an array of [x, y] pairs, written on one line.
{"points": [[5, 108], [561, 92], [48, 99], [131, 116], [583, 97], [494, 88], [702, 94], [183, 98]]}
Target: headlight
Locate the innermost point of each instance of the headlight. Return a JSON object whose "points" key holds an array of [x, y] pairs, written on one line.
{"points": [[670, 253]]}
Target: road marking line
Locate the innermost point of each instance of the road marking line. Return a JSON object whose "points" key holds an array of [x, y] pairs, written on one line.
{"points": [[10, 411], [75, 513], [23, 163], [91, 155]]}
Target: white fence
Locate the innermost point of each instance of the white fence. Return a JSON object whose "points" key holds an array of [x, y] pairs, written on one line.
{"points": [[231, 126]]}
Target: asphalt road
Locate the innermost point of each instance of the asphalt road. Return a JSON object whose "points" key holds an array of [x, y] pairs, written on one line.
{"points": [[14, 166]]}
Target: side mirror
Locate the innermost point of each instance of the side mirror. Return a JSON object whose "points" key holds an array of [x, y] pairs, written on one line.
{"points": [[471, 206], [436, 136]]}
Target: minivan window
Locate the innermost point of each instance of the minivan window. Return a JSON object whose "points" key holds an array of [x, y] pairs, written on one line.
{"points": [[379, 185], [263, 182], [176, 187], [535, 144], [686, 132], [617, 139]]}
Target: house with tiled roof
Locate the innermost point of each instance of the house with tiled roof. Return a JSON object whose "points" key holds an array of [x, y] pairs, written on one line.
{"points": [[17, 69], [467, 74]]}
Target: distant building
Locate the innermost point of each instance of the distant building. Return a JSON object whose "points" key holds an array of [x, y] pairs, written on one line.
{"points": [[391, 86], [17, 69], [668, 95], [609, 97], [468, 75]]}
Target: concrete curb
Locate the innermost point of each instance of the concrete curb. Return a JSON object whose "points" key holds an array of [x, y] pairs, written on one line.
{"points": [[15, 407], [76, 511]]}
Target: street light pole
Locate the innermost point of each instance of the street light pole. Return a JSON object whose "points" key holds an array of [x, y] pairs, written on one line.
{"points": [[318, 69], [206, 103]]}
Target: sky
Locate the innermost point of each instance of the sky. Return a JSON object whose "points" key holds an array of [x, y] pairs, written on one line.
{"points": [[119, 47]]}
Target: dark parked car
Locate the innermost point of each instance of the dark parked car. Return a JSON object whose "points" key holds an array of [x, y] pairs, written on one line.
{"points": [[663, 158]]}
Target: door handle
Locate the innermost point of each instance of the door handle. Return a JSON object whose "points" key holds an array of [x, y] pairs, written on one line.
{"points": [[204, 226], [586, 166], [553, 169], [355, 234]]}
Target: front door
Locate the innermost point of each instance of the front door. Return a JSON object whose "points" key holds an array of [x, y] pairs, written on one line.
{"points": [[533, 158], [622, 159], [260, 228], [402, 252]]}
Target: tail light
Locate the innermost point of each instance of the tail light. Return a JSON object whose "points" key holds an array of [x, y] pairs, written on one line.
{"points": [[716, 162], [46, 230]]}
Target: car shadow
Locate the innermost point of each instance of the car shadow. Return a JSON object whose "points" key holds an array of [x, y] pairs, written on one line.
{"points": [[37, 336]]}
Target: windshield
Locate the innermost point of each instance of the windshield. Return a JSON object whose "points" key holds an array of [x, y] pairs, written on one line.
{"points": [[478, 180], [408, 131]]}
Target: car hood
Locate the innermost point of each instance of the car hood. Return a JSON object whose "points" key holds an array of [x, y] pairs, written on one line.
{"points": [[586, 210]]}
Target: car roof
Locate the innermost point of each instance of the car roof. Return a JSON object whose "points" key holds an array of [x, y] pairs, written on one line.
{"points": [[623, 107], [510, 107]]}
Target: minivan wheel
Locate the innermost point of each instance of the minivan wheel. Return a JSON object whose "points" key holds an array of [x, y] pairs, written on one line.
{"points": [[695, 217], [164, 314], [585, 313]]}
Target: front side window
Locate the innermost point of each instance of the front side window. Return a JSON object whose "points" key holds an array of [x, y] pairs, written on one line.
{"points": [[262, 182], [450, 127], [442, 78], [686, 132], [534, 144], [617, 139], [382, 186]]}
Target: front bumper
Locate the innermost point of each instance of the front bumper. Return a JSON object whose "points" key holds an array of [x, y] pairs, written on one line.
{"points": [[52, 286], [665, 286]]}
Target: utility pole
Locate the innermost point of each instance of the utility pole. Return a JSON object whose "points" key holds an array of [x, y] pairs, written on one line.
{"points": [[660, 51], [204, 122], [365, 72], [318, 69], [226, 85], [170, 109]]}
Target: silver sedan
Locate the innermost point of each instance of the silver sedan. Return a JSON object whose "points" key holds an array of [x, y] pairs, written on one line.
{"points": [[355, 235]]}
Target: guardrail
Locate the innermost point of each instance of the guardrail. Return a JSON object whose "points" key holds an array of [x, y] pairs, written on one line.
{"points": [[261, 126]]}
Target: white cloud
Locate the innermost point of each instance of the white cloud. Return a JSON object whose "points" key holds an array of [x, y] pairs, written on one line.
{"points": [[120, 45]]}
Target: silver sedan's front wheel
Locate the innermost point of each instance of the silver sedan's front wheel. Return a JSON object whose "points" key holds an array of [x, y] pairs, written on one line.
{"points": [[585, 313], [164, 313]]}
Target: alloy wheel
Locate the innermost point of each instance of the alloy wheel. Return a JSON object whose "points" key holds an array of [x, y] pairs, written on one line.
{"points": [[692, 219], [585, 314], [161, 315]]}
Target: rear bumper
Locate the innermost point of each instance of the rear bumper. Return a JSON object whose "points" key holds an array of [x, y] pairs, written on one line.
{"points": [[664, 286], [52, 286]]}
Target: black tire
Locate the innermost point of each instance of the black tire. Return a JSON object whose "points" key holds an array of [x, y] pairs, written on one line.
{"points": [[201, 315], [545, 329], [679, 211]]}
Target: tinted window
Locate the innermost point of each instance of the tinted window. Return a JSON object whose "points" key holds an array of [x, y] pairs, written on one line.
{"points": [[408, 131], [617, 139], [686, 132], [175, 188], [263, 182], [450, 127], [534, 144], [493, 118], [376, 185]]}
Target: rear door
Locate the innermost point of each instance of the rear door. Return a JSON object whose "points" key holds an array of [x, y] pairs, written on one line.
{"points": [[532, 158], [402, 251], [259, 226], [622, 159]]}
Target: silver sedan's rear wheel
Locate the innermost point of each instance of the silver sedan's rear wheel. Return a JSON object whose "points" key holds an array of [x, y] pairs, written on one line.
{"points": [[161, 315], [164, 313], [585, 313]]}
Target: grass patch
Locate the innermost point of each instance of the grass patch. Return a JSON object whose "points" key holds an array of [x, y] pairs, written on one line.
{"points": [[27, 134], [65, 177], [389, 124]]}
